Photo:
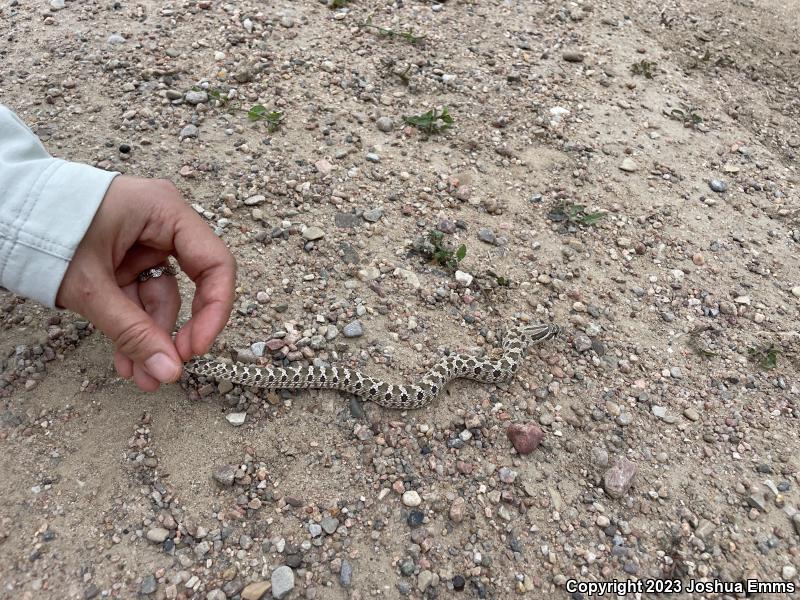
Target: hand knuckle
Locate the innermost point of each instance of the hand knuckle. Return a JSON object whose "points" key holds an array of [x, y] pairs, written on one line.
{"points": [[132, 337]]}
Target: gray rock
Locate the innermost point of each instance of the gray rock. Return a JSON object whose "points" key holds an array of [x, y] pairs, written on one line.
{"points": [[115, 39], [574, 57], [196, 97], [346, 574], [582, 342], [255, 200], [313, 233], [600, 457], [629, 165], [258, 348], [353, 330], [57, 4], [330, 525], [425, 579], [487, 235], [216, 594], [373, 215], [385, 124], [190, 131], [372, 157], [691, 414], [315, 529], [718, 185], [346, 220], [149, 585], [624, 419], [282, 582]]}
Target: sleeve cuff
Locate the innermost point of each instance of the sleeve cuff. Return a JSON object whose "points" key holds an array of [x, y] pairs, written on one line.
{"points": [[62, 205]]}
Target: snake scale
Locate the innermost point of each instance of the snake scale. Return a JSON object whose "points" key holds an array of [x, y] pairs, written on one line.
{"points": [[516, 341]]}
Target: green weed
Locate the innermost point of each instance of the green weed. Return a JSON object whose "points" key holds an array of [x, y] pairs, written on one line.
{"points": [[575, 214], [406, 35], [687, 115], [434, 248], [433, 121], [257, 112]]}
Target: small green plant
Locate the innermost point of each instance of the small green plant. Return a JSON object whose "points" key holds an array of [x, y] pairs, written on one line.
{"points": [[434, 248], [406, 35], [643, 68], [260, 113], [687, 115], [766, 357], [257, 112], [576, 214], [338, 3], [433, 121]]}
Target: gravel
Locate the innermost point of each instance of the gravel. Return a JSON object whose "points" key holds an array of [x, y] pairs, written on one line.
{"points": [[656, 433]]}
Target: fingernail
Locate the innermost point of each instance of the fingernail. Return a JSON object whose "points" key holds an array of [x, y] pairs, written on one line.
{"points": [[162, 367]]}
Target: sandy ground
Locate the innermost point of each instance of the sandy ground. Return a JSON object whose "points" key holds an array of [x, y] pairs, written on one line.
{"points": [[577, 174]]}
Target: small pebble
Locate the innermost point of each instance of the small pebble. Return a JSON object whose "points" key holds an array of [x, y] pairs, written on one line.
{"points": [[411, 499], [718, 185], [236, 419], [282, 582], [353, 329], [385, 124]]}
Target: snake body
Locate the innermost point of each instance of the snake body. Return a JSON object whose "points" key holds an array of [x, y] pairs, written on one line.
{"points": [[399, 397]]}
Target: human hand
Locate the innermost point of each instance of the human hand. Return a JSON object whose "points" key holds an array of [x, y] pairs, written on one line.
{"points": [[138, 225]]}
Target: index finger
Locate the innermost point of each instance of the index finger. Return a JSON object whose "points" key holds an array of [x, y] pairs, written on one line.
{"points": [[209, 263]]}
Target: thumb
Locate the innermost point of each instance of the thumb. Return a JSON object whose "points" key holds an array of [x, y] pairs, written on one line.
{"points": [[134, 333]]}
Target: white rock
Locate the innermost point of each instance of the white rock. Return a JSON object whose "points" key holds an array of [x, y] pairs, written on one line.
{"points": [[557, 112], [464, 278], [236, 419], [411, 498]]}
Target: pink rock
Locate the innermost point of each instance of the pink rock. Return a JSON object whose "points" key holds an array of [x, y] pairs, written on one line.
{"points": [[525, 438], [275, 344], [618, 478]]}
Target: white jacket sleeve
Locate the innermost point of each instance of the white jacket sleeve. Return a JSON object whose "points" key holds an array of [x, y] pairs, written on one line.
{"points": [[46, 206]]}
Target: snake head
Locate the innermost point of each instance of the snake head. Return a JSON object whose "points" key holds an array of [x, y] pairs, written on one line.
{"points": [[540, 332]]}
